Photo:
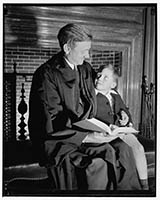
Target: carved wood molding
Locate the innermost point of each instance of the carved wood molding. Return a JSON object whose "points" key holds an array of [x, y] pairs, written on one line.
{"points": [[39, 25], [132, 69], [114, 28]]}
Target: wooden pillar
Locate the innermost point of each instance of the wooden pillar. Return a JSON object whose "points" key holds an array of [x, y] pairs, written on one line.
{"points": [[22, 109], [148, 128]]}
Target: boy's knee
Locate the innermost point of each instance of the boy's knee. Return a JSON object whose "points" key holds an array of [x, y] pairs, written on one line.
{"points": [[140, 148], [137, 146]]}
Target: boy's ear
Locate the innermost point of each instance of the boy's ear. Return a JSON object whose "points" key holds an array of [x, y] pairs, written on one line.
{"points": [[66, 48], [114, 84]]}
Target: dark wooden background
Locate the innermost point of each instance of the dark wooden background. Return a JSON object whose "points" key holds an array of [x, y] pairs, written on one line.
{"points": [[130, 29]]}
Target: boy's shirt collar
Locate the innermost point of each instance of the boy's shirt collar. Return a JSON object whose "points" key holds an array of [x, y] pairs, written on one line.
{"points": [[108, 96], [110, 92]]}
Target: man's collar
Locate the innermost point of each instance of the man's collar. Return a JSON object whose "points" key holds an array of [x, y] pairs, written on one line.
{"points": [[70, 64]]}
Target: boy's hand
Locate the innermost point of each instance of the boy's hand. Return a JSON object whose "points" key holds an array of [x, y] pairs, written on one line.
{"points": [[112, 127], [124, 118]]}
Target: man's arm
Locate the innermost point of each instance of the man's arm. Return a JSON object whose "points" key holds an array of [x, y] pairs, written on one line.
{"points": [[45, 102]]}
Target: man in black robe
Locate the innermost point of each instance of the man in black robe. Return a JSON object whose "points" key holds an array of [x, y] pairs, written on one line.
{"points": [[62, 93]]}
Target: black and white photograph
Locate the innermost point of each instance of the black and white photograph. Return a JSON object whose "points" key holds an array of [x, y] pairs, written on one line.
{"points": [[79, 100]]}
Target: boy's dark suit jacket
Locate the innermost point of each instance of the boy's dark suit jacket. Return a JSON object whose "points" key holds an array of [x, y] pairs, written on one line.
{"points": [[108, 115]]}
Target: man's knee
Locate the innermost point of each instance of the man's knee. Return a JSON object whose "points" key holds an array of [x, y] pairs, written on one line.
{"points": [[97, 174], [96, 165]]}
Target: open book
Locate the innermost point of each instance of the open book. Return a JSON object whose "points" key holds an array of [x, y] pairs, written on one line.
{"points": [[98, 126]]}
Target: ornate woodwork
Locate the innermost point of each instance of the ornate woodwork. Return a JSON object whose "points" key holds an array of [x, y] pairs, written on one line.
{"points": [[117, 28]]}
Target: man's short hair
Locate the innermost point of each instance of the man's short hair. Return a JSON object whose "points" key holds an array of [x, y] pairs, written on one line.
{"points": [[72, 33]]}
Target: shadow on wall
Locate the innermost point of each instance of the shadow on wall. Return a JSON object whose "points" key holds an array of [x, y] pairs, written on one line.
{"points": [[20, 25]]}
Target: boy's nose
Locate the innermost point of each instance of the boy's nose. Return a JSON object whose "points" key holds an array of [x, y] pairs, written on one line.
{"points": [[100, 77]]}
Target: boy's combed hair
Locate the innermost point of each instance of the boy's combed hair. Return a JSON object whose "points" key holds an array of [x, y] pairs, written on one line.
{"points": [[110, 65], [72, 33]]}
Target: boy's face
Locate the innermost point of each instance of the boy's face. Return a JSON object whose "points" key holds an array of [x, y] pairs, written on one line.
{"points": [[79, 52], [104, 81]]}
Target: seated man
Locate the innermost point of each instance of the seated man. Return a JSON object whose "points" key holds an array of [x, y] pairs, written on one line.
{"points": [[63, 93], [112, 110]]}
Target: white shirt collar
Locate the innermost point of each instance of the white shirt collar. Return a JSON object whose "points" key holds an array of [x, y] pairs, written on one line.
{"points": [[111, 91], [70, 64], [108, 96]]}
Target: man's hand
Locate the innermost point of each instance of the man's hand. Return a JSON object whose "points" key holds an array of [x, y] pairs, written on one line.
{"points": [[124, 118]]}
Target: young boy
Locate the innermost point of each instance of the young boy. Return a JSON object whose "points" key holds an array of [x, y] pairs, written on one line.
{"points": [[112, 111]]}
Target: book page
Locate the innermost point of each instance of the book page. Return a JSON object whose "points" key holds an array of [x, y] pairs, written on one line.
{"points": [[96, 125], [102, 125], [95, 138], [93, 125], [126, 130], [87, 125]]}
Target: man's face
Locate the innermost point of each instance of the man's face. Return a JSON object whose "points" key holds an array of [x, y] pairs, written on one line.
{"points": [[79, 52], [104, 81]]}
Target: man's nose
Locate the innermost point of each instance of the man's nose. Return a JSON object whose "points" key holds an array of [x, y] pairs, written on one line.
{"points": [[87, 56]]}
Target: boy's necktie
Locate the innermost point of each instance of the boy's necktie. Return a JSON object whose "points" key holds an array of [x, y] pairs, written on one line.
{"points": [[111, 101]]}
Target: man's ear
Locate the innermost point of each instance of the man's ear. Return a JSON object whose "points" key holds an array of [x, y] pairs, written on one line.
{"points": [[66, 48]]}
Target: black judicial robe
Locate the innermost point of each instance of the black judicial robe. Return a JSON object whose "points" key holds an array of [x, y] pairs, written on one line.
{"points": [[53, 105]]}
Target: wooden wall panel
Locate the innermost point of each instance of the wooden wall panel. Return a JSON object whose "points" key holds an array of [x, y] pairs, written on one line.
{"points": [[114, 27], [134, 79], [150, 45], [41, 23]]}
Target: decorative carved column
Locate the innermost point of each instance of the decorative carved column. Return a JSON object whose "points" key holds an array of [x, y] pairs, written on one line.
{"points": [[22, 109], [148, 117]]}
